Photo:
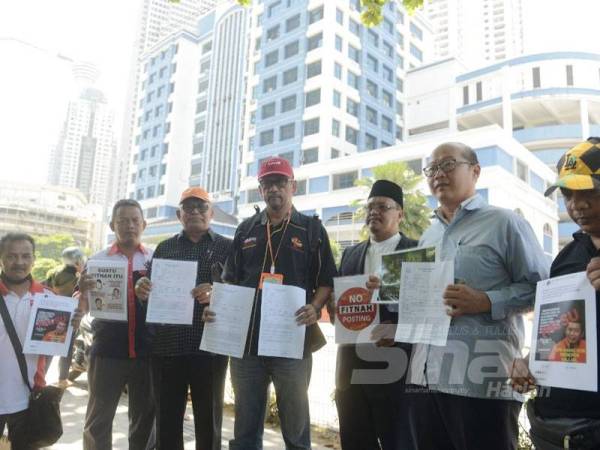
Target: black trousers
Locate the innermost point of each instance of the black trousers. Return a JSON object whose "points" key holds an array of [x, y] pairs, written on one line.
{"points": [[17, 430], [451, 422], [372, 417], [204, 374]]}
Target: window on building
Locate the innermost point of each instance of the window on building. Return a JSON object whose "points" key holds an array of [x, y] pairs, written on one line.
{"points": [[372, 116], [133, 175], [352, 107], [355, 5], [205, 66], [335, 153], [416, 31], [314, 41], [140, 194], [268, 110], [254, 196], [547, 238], [266, 137], [339, 43], [465, 95], [354, 27], [292, 23], [165, 148], [314, 15], [399, 84], [271, 58], [257, 44], [310, 155], [198, 147], [152, 171], [478, 91], [569, 70], [400, 40], [339, 16], [287, 132], [370, 141], [335, 127], [337, 71], [269, 84], [388, 49], [399, 108], [201, 106], [388, 74], [273, 7], [536, 77], [522, 171], [387, 97], [311, 126], [313, 97], [337, 99], [300, 187], [288, 103], [373, 38], [290, 76], [288, 156], [291, 49], [387, 124], [416, 52], [353, 80], [272, 33], [372, 89], [200, 126], [388, 25], [207, 47], [353, 53], [344, 180], [196, 168], [161, 189], [372, 63], [313, 69], [351, 135]]}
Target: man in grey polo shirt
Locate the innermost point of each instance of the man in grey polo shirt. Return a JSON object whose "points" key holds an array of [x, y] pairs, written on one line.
{"points": [[498, 261]]}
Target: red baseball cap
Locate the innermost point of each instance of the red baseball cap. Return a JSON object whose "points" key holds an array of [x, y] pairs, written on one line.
{"points": [[194, 192], [275, 166]]}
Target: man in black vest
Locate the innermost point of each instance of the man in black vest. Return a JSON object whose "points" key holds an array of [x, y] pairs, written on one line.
{"points": [[369, 411]]}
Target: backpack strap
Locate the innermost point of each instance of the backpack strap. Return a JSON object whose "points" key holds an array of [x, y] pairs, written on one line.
{"points": [[14, 339]]}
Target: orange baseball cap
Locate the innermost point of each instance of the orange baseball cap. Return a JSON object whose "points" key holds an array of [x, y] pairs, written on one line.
{"points": [[194, 192]]}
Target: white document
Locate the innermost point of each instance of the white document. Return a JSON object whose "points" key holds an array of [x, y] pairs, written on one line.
{"points": [[422, 316], [49, 331], [280, 335], [108, 299], [563, 351], [355, 314], [171, 298], [233, 307]]}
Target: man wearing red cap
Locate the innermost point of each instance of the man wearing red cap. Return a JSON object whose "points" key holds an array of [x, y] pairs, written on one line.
{"points": [[177, 361], [277, 245]]}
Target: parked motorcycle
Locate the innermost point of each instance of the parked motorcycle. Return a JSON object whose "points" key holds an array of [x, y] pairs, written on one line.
{"points": [[82, 346]]}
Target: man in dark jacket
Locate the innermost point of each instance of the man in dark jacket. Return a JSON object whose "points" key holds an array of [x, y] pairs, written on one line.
{"points": [[369, 412]]}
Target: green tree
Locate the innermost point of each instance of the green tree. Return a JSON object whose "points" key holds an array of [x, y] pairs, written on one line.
{"points": [[416, 211], [370, 15], [42, 266], [51, 246]]}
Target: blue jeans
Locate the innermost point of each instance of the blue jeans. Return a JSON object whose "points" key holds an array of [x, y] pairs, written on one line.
{"points": [[250, 377]]}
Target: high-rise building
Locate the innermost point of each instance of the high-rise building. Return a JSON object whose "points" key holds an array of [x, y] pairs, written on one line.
{"points": [[322, 86], [180, 141], [85, 153], [157, 19], [476, 32]]}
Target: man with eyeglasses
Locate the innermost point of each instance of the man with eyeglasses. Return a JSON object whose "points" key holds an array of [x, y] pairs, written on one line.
{"points": [[277, 245], [120, 351], [177, 361], [497, 263], [369, 412]]}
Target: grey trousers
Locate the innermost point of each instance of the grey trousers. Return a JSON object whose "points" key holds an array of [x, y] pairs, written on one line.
{"points": [[106, 379]]}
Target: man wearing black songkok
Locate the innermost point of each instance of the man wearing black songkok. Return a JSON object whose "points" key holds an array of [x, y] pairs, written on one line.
{"points": [[369, 410]]}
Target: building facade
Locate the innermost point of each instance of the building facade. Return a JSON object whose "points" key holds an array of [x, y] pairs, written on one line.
{"points": [[84, 156], [548, 102]]}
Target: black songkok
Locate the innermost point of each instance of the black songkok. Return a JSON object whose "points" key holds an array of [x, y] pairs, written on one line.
{"points": [[389, 189]]}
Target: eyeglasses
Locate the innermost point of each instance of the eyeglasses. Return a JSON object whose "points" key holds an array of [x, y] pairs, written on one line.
{"points": [[446, 166], [378, 207], [279, 183], [191, 207]]}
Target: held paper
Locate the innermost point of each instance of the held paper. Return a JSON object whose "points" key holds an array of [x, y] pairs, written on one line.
{"points": [[108, 299], [355, 315]]}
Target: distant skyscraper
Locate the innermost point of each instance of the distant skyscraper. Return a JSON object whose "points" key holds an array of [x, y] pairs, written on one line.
{"points": [[157, 19], [476, 32], [85, 154]]}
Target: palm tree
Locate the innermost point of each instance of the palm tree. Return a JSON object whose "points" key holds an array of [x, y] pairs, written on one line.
{"points": [[416, 211]]}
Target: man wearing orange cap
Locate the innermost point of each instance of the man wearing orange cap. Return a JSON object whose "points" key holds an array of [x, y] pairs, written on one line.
{"points": [[277, 245], [177, 361]]}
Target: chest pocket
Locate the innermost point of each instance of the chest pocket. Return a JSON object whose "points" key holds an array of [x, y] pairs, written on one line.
{"points": [[296, 256], [480, 266]]}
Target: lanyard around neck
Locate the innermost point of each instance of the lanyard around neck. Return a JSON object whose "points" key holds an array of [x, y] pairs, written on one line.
{"points": [[270, 245]]}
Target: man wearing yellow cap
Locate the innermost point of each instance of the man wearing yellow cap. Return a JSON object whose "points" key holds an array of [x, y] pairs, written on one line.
{"points": [[579, 183], [177, 361]]}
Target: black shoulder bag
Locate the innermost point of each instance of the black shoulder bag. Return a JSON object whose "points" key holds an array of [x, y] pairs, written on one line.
{"points": [[316, 339], [43, 414]]}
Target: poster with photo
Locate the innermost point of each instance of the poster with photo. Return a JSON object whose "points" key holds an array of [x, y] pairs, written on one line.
{"points": [[563, 351], [108, 299], [49, 330], [391, 271], [355, 315]]}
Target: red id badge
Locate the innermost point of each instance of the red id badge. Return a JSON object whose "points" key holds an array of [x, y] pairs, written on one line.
{"points": [[267, 277]]}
